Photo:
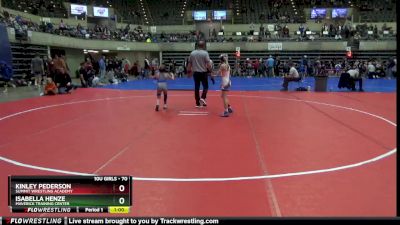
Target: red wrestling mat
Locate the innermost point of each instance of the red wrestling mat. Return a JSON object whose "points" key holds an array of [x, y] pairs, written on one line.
{"points": [[279, 154]]}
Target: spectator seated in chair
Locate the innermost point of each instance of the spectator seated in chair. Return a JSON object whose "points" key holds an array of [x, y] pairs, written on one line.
{"points": [[292, 77], [84, 76], [64, 82]]}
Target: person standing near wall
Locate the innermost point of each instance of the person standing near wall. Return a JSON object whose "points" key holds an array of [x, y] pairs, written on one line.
{"points": [[304, 63], [64, 59], [276, 66], [198, 66], [270, 63], [251, 28], [317, 66], [262, 31], [394, 68], [45, 66], [59, 64], [6, 74], [51, 68], [391, 67], [102, 67], [256, 65], [146, 67], [371, 70], [37, 69]]}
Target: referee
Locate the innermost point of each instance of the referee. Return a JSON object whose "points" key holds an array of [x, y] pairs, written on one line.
{"points": [[199, 64]]}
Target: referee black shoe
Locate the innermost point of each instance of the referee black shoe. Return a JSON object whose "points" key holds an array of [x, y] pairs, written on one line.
{"points": [[203, 102]]}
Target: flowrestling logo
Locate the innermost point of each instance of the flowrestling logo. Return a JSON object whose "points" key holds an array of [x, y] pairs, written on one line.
{"points": [[100, 11], [78, 9]]}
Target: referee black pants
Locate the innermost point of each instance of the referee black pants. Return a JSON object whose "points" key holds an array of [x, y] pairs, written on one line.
{"points": [[200, 77], [353, 84]]}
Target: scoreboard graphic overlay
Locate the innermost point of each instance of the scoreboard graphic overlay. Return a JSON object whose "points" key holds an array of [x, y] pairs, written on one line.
{"points": [[70, 194]]}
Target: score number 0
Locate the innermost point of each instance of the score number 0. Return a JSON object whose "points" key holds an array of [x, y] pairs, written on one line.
{"points": [[121, 188]]}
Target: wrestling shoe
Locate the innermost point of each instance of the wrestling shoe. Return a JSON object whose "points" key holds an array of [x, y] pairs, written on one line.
{"points": [[230, 110], [225, 114], [165, 107], [157, 108]]}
